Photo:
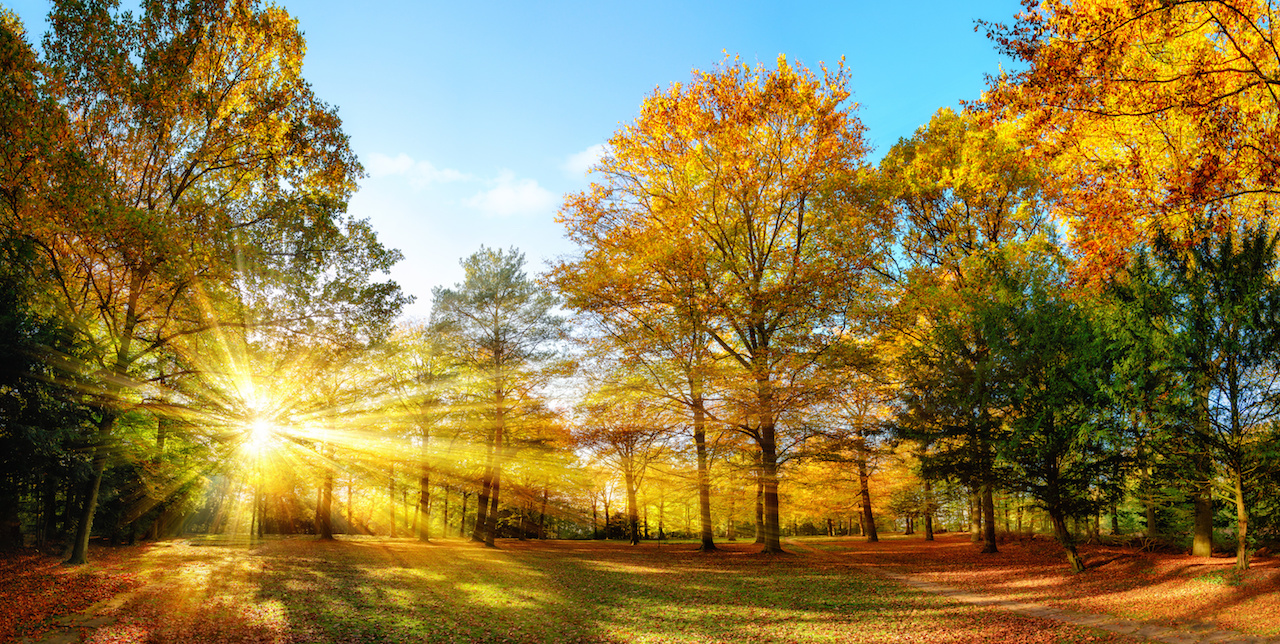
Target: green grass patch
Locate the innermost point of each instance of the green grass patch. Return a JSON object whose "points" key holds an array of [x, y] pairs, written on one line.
{"points": [[392, 590]]}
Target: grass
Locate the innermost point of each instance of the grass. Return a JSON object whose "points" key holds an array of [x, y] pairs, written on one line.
{"points": [[393, 590]]}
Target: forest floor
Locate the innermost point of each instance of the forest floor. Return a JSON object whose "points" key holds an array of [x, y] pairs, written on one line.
{"points": [[827, 590]]}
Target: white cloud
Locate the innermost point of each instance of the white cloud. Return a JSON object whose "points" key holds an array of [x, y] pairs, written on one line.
{"points": [[419, 173], [579, 162], [511, 196]]}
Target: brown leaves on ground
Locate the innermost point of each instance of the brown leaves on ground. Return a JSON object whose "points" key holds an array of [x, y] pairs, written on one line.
{"points": [[385, 590], [36, 588], [1169, 589]]}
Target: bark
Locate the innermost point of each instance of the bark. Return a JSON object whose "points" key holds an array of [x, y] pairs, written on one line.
{"points": [[499, 445], [482, 505], [767, 438], [633, 516], [975, 516], [606, 518], [49, 515], [106, 424], [542, 516], [1064, 537], [1242, 524], [462, 518], [444, 514], [988, 520], [1202, 537], [1150, 507], [928, 511], [864, 490], [80, 546], [423, 518], [391, 500], [491, 520], [424, 505], [704, 473], [759, 507], [1202, 530]]}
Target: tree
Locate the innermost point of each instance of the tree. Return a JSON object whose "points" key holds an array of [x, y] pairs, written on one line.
{"points": [[1053, 365], [650, 308], [627, 432], [1161, 120], [217, 170], [419, 379], [950, 397], [1160, 115], [962, 189], [1221, 330], [500, 328], [760, 170]]}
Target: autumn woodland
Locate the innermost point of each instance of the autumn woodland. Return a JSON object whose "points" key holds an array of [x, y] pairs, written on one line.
{"points": [[1045, 325]]}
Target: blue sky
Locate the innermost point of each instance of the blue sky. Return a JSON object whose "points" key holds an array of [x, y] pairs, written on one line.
{"points": [[474, 118]]}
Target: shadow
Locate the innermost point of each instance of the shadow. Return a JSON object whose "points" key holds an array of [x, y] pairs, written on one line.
{"points": [[1121, 580], [395, 590]]}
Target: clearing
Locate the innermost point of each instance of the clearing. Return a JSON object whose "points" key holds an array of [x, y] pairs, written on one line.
{"points": [[392, 590]]}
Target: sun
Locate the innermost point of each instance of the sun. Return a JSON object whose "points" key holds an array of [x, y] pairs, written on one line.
{"points": [[260, 435]]}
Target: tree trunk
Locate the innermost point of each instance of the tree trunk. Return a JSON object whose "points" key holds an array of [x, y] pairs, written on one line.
{"points": [[424, 505], [704, 470], [730, 527], [633, 516], [975, 516], [768, 463], [491, 520], [542, 516], [1242, 524], [80, 547], [1202, 537], [423, 518], [391, 500], [928, 510], [606, 518], [864, 490], [482, 505], [988, 520], [462, 518], [1065, 538], [759, 505], [499, 447]]}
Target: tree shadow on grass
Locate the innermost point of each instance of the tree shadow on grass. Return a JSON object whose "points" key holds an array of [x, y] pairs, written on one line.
{"points": [[1119, 580], [393, 590]]}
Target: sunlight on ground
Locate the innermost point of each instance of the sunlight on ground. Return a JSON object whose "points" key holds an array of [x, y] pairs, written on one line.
{"points": [[292, 590]]}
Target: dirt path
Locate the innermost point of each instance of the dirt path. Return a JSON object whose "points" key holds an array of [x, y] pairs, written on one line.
{"points": [[1201, 634]]}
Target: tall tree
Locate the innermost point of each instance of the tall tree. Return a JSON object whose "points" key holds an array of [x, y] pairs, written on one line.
{"points": [[502, 330], [209, 141], [1054, 366], [629, 433], [1161, 115], [1161, 118], [1222, 331], [962, 189], [759, 169], [650, 309]]}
